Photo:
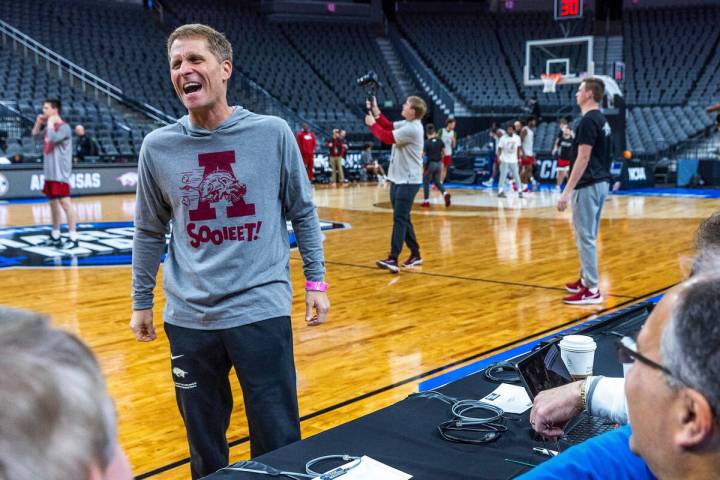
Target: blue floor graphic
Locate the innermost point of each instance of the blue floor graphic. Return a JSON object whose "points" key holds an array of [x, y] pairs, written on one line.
{"points": [[638, 192], [475, 367], [23, 200], [672, 192]]}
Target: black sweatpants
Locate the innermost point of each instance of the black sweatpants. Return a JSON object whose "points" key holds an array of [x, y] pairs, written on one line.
{"points": [[402, 196], [262, 354], [433, 172]]}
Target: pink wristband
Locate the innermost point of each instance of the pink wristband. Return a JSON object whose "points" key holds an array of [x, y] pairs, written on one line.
{"points": [[316, 286]]}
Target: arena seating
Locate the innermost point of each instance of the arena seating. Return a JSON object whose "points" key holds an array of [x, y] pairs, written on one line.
{"points": [[341, 54], [466, 57], [117, 132], [665, 52], [287, 77], [671, 55], [653, 129], [118, 42], [707, 88]]}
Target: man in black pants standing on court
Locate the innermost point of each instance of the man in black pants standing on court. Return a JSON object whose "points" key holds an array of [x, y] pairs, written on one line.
{"points": [[405, 174], [434, 151], [227, 179]]}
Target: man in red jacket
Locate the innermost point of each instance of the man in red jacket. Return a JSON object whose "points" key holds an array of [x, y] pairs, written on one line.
{"points": [[306, 141]]}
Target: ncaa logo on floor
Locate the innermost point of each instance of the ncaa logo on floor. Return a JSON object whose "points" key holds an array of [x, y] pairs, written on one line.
{"points": [[100, 244], [4, 185]]}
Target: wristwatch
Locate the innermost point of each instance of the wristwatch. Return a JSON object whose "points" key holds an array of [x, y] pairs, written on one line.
{"points": [[583, 395], [316, 286]]}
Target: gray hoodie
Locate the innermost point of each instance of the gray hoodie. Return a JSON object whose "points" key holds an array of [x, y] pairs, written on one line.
{"points": [[224, 197]]}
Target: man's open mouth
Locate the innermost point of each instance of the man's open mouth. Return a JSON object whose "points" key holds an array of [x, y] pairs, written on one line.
{"points": [[191, 87]]}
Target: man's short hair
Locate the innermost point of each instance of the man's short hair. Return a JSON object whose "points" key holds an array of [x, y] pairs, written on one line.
{"points": [[449, 121], [217, 43], [597, 87], [707, 235], [54, 103], [418, 105], [689, 343], [430, 129], [563, 120], [57, 419]]}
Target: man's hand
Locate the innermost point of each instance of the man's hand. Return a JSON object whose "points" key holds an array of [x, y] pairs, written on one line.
{"points": [[141, 324], [564, 200], [553, 408], [52, 120], [39, 121], [321, 303], [373, 107], [369, 120]]}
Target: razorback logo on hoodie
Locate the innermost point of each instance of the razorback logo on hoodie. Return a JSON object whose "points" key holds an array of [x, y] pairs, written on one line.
{"points": [[211, 187]]}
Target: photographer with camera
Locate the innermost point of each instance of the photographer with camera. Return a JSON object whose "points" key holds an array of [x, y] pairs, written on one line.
{"points": [[405, 173]]}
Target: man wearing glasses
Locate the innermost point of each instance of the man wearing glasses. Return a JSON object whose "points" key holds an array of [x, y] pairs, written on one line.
{"points": [[605, 396], [673, 396]]}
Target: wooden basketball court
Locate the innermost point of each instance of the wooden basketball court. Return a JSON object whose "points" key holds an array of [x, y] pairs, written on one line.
{"points": [[493, 277]]}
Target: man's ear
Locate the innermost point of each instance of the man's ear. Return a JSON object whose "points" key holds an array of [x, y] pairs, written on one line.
{"points": [[694, 417], [227, 70]]}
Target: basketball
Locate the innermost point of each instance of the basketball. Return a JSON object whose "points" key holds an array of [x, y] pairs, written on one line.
{"points": [[627, 154]]}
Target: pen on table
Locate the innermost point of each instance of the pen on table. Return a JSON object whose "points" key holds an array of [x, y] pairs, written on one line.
{"points": [[520, 463]]}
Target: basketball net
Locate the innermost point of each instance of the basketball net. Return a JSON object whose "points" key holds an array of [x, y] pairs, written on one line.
{"points": [[550, 81]]}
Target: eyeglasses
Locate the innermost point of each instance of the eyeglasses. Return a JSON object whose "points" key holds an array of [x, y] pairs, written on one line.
{"points": [[628, 353]]}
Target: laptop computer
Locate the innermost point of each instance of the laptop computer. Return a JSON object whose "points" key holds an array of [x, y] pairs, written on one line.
{"points": [[544, 369]]}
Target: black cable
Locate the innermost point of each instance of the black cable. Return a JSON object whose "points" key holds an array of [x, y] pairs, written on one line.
{"points": [[502, 372], [490, 426], [490, 432]]}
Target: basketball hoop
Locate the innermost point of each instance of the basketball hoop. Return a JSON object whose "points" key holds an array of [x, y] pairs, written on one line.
{"points": [[550, 81]]}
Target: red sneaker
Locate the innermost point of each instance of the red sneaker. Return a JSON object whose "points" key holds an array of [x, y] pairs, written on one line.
{"points": [[574, 287], [388, 264], [425, 204], [413, 261], [447, 199], [584, 297]]}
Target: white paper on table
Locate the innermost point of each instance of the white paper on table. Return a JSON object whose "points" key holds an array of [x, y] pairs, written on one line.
{"points": [[370, 469], [511, 398]]}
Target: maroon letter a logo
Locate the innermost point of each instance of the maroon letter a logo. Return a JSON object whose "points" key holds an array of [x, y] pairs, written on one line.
{"points": [[219, 182]]}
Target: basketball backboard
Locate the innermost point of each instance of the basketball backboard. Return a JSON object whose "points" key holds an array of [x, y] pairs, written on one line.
{"points": [[572, 57]]}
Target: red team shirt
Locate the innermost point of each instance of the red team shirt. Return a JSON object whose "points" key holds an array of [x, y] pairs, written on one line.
{"points": [[307, 142]]}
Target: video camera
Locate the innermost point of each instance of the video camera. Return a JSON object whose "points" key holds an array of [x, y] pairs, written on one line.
{"points": [[371, 83]]}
